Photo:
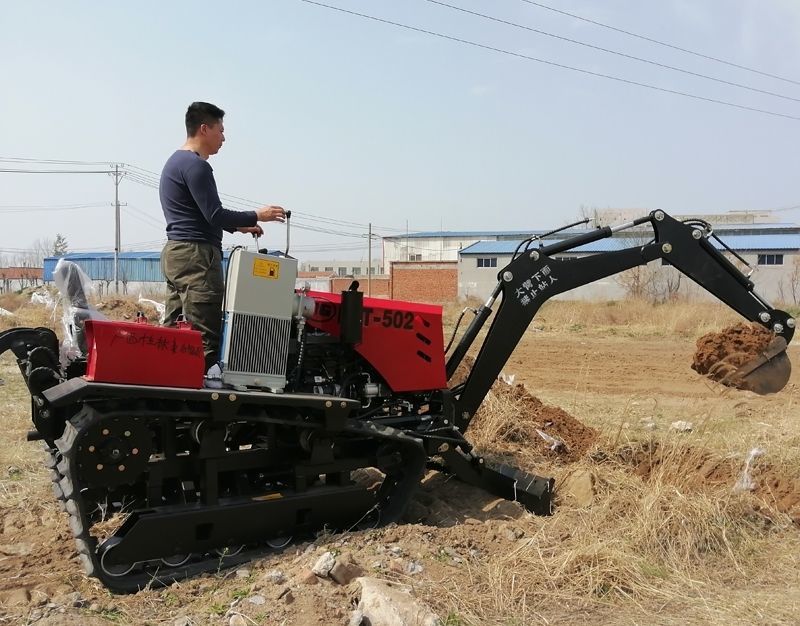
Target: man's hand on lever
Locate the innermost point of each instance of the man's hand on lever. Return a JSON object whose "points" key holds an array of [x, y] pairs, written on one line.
{"points": [[271, 214], [256, 230]]}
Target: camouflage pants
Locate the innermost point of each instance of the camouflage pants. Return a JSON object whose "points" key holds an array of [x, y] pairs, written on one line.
{"points": [[195, 288]]}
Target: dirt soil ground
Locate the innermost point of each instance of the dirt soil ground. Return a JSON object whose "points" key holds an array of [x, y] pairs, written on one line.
{"points": [[598, 413], [720, 354]]}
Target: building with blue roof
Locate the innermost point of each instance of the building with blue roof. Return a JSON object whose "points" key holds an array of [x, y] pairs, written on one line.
{"points": [[137, 271], [771, 250]]}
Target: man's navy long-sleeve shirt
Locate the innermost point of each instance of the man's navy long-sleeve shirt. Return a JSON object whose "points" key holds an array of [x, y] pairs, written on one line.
{"points": [[191, 203]]}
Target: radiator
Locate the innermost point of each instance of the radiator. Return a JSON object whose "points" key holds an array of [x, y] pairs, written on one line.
{"points": [[258, 350], [259, 295]]}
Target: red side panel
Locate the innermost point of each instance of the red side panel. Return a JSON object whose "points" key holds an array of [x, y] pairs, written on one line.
{"points": [[402, 340], [140, 354]]}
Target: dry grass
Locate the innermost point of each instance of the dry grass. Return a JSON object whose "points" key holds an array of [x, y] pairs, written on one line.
{"points": [[676, 535], [636, 318], [632, 318], [28, 314], [639, 547]]}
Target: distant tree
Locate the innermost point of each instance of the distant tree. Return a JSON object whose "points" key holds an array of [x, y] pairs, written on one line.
{"points": [[666, 283], [655, 282], [60, 245], [35, 255], [5, 282], [794, 283], [591, 214], [639, 281]]}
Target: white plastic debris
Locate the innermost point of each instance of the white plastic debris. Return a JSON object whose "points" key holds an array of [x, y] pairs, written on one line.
{"points": [[159, 306], [555, 444], [44, 298], [74, 286], [213, 377], [682, 426], [508, 379], [746, 482], [4, 313]]}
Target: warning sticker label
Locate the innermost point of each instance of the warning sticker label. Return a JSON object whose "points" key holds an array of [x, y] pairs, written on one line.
{"points": [[266, 269]]}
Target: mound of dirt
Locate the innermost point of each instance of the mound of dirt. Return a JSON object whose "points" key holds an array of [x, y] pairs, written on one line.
{"points": [[718, 355], [698, 469], [523, 419], [126, 309], [550, 429]]}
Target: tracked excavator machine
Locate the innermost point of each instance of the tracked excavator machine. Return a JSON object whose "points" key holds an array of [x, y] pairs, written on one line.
{"points": [[329, 409]]}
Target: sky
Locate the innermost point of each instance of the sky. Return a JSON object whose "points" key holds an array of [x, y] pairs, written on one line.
{"points": [[349, 121]]}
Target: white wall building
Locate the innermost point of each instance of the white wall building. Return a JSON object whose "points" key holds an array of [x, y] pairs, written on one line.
{"points": [[772, 250], [445, 245], [342, 267], [440, 245]]}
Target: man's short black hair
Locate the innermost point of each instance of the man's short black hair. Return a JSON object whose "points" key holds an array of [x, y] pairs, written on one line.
{"points": [[200, 113]]}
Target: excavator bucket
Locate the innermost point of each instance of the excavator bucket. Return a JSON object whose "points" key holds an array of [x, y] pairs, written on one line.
{"points": [[767, 373]]}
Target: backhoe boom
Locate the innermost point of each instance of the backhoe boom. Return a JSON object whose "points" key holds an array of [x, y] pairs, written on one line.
{"points": [[536, 275]]}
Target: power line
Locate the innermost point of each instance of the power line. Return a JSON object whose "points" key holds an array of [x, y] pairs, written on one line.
{"points": [[143, 217], [142, 180], [241, 203], [148, 178], [615, 52], [146, 246], [52, 206], [40, 171], [301, 222], [40, 208], [51, 161], [130, 246], [468, 42], [139, 181], [660, 43], [153, 179]]}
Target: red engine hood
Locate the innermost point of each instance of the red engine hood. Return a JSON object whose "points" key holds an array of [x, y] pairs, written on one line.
{"points": [[403, 341]]}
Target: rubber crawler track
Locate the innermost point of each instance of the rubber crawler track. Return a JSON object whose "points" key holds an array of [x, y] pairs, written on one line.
{"points": [[71, 493]]}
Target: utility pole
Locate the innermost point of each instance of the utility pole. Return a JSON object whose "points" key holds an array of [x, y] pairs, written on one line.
{"points": [[369, 261], [117, 177], [441, 239]]}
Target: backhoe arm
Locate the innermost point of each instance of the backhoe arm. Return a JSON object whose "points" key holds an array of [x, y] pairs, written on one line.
{"points": [[534, 276]]}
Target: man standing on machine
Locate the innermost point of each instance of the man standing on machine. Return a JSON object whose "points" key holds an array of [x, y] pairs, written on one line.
{"points": [[192, 257]]}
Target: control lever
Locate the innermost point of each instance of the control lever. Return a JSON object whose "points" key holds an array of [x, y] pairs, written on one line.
{"points": [[288, 215], [258, 247]]}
